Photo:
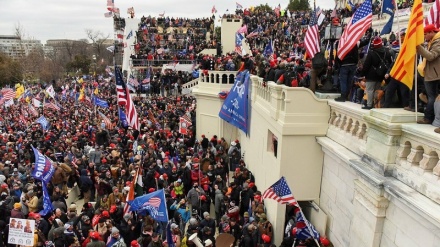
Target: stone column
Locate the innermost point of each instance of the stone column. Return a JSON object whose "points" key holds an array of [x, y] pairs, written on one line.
{"points": [[370, 207]]}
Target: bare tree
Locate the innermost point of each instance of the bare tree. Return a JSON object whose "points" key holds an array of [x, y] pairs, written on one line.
{"points": [[98, 39]]}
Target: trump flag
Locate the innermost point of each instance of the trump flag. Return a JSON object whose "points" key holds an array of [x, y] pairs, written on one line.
{"points": [[235, 109], [154, 203], [43, 169]]}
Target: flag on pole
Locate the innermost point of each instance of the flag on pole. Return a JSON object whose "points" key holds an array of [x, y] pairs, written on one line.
{"points": [[388, 7], [99, 102], [434, 16], [43, 121], [281, 193], [120, 90], [36, 103], [183, 126], [304, 229], [356, 28], [43, 169], [50, 91], [388, 27], [107, 121], [7, 93], [268, 50], [238, 6], [139, 182], [130, 109], [19, 90], [9, 102], [403, 69], [122, 118], [154, 203], [129, 35], [238, 42], [50, 105], [213, 10], [311, 40], [32, 110]]}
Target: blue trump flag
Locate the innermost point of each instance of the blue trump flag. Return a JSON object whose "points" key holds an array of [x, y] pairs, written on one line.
{"points": [[235, 109], [43, 169], [100, 102], [388, 7], [268, 50], [47, 204], [388, 27], [154, 203], [123, 118], [304, 229]]}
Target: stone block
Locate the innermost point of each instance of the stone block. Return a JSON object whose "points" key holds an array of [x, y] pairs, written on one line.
{"points": [[344, 204], [386, 242], [405, 240], [389, 230], [328, 188]]}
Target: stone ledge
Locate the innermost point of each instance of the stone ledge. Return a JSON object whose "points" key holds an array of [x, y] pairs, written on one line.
{"points": [[422, 205]]}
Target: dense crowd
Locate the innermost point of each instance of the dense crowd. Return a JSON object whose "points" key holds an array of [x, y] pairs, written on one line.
{"points": [[209, 190]]}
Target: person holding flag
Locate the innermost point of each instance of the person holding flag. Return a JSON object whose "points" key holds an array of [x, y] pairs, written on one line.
{"points": [[429, 68]]}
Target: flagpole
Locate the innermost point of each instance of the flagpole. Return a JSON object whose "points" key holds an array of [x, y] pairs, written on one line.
{"points": [[305, 219], [415, 86], [398, 23]]}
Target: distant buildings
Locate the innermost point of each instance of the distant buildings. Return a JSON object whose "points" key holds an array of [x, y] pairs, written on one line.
{"points": [[16, 47]]}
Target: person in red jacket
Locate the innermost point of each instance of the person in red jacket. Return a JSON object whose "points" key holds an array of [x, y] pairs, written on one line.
{"points": [[196, 174]]}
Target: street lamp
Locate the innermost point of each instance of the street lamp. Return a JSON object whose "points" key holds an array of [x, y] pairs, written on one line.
{"points": [[94, 66]]}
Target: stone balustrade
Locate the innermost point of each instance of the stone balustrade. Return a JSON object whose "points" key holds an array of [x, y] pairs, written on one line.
{"points": [[217, 77], [417, 160], [347, 126]]}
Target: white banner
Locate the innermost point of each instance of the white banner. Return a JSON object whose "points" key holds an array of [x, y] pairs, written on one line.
{"points": [[21, 232]]}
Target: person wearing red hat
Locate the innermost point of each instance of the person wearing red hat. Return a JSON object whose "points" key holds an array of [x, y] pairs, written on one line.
{"points": [[377, 64], [429, 69]]}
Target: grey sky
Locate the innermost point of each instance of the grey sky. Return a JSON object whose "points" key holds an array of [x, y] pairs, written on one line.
{"points": [[68, 19]]}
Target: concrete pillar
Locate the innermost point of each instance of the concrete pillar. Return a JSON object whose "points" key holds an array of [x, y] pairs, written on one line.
{"points": [[369, 214]]}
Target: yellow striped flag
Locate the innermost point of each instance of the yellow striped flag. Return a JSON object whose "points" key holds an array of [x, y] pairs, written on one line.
{"points": [[403, 69]]}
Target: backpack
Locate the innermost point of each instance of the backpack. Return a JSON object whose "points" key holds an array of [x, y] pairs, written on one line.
{"points": [[319, 61], [383, 66]]}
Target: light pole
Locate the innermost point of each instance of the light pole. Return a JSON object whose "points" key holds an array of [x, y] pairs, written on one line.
{"points": [[94, 66]]}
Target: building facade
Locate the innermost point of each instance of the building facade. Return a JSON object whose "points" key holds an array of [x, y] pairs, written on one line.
{"points": [[15, 47], [364, 178]]}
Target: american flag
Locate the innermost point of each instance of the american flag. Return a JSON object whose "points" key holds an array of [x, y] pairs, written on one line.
{"points": [[32, 110], [355, 29], [434, 16], [162, 15], [280, 192], [147, 76], [238, 42], [130, 109], [214, 10], [133, 81], [238, 6], [107, 121], [120, 90], [52, 106], [8, 93], [311, 41]]}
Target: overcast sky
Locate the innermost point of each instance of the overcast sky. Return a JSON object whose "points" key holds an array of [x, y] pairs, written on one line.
{"points": [[68, 19]]}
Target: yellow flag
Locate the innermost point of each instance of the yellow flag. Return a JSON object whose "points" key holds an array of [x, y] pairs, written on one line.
{"points": [[96, 91], [80, 80], [403, 69], [19, 91]]}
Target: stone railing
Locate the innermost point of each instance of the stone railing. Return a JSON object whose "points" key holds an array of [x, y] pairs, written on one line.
{"points": [[217, 77], [417, 160], [347, 126], [261, 89], [187, 87]]}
